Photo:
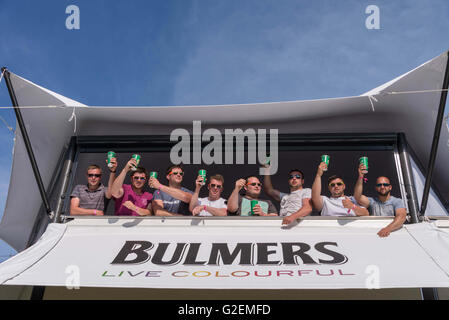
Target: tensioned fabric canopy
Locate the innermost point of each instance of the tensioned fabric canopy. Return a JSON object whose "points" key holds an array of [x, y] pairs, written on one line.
{"points": [[208, 253], [406, 104]]}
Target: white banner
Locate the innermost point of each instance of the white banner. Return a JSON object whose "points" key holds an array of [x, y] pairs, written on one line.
{"points": [[233, 254]]}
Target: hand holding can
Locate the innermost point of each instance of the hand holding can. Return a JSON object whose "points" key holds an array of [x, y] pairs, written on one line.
{"points": [[137, 158], [363, 161], [325, 158], [111, 155], [202, 174], [253, 204]]}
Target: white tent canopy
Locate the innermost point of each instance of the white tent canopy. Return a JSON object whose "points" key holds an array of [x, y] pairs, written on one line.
{"points": [[201, 254], [401, 105]]}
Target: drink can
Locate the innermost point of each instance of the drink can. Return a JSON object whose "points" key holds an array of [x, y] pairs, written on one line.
{"points": [[253, 203], [364, 161], [137, 158], [325, 158], [153, 174], [202, 174], [111, 154]]}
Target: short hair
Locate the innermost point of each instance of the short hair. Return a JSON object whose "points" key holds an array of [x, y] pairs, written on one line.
{"points": [[246, 178], [140, 170], [296, 170], [93, 166], [335, 176], [169, 169], [217, 177]]}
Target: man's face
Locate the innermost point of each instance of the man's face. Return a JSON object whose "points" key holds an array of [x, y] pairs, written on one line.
{"points": [[93, 177], [383, 186], [175, 176], [215, 188], [295, 179], [337, 188], [138, 180], [253, 187]]}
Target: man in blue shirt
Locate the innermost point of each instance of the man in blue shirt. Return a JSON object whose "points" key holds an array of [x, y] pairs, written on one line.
{"points": [[383, 205]]}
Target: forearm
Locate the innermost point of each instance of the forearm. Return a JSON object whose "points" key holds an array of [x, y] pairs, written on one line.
{"points": [[216, 211], [358, 189], [108, 193], [360, 211], [397, 223], [176, 193], [303, 212], [316, 193], [81, 211]]}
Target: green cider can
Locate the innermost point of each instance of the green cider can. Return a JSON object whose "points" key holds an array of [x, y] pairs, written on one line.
{"points": [[325, 158], [253, 203], [202, 174], [153, 174], [364, 161], [137, 158], [111, 154]]}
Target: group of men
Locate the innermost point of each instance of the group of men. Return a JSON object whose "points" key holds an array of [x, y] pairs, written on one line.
{"points": [[175, 200]]}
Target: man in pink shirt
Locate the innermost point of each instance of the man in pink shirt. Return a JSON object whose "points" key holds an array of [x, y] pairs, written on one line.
{"points": [[132, 200]]}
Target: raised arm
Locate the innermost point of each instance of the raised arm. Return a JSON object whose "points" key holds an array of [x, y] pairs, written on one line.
{"points": [[112, 171], [117, 186], [317, 201], [233, 201], [174, 192], [268, 187], [358, 189], [194, 200]]}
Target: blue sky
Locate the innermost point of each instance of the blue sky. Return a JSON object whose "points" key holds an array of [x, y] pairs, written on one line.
{"points": [[186, 52]]}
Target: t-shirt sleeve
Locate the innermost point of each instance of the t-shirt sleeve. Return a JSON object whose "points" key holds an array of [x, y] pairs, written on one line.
{"points": [[76, 192], [223, 204], [398, 204], [281, 195]]}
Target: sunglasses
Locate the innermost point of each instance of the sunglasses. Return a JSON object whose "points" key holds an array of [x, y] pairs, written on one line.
{"points": [[336, 184], [91, 175], [297, 176], [383, 184], [218, 186], [254, 184], [177, 173], [140, 178]]}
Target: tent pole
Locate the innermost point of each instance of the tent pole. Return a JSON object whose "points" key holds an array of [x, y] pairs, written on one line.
{"points": [[436, 139], [412, 199], [27, 142]]}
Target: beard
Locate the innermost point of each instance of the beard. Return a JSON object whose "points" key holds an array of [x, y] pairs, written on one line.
{"points": [[386, 193]]}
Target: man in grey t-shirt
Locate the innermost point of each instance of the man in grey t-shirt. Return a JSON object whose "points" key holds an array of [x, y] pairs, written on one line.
{"points": [[171, 200], [382, 205], [295, 204], [90, 198]]}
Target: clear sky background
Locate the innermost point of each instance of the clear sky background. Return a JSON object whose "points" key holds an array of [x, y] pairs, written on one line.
{"points": [[187, 52]]}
